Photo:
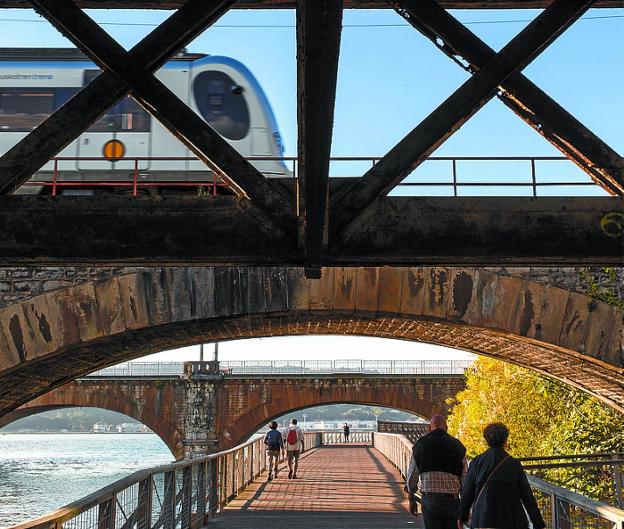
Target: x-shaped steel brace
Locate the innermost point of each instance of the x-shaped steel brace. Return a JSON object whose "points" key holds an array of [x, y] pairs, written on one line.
{"points": [[521, 95], [133, 71], [414, 148]]}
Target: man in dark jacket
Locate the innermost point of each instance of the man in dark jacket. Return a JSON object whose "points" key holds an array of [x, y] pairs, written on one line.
{"points": [[438, 464], [497, 489]]}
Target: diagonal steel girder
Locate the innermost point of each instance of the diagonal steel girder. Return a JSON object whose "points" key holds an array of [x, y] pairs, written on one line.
{"points": [[414, 148], [319, 26], [163, 104], [604, 165], [62, 127]]}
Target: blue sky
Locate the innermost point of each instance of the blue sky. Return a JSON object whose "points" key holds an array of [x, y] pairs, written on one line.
{"points": [[390, 77]]}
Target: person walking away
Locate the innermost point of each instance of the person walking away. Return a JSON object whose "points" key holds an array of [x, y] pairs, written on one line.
{"points": [[294, 447], [346, 431], [437, 466], [496, 488], [274, 444]]}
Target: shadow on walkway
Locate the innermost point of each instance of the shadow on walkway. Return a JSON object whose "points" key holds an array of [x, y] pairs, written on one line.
{"points": [[338, 487]]}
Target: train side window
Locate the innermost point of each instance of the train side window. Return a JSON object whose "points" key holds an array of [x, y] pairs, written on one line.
{"points": [[125, 116], [22, 109], [224, 109]]}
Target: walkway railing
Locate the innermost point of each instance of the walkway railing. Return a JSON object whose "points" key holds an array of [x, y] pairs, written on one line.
{"points": [[338, 438], [438, 175], [561, 508], [295, 367], [181, 495]]}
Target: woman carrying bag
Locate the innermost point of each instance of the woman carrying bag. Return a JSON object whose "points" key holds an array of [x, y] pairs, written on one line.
{"points": [[497, 489]]}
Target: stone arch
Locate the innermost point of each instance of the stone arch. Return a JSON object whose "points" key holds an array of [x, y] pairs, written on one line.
{"points": [[145, 409], [52, 338], [251, 422]]}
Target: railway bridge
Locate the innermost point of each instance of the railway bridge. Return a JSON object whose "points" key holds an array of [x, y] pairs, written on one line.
{"points": [[205, 408]]}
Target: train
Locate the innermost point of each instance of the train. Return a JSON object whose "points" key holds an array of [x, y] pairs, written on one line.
{"points": [[127, 144]]}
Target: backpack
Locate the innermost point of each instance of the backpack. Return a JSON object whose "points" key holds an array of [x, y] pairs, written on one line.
{"points": [[292, 437], [273, 440]]}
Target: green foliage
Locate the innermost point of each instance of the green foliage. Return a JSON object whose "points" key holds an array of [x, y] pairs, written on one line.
{"points": [[543, 417], [605, 290]]}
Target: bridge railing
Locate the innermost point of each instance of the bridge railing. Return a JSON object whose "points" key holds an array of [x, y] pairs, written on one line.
{"points": [[294, 367], [180, 495], [561, 508], [438, 175], [338, 438]]}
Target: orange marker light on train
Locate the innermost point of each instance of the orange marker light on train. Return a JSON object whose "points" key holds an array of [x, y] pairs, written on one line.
{"points": [[113, 150]]}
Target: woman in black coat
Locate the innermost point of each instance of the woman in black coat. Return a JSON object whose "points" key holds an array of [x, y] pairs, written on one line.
{"points": [[497, 489]]}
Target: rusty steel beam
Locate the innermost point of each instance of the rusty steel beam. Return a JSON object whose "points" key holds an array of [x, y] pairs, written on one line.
{"points": [[480, 231], [319, 26], [163, 104], [20, 162], [414, 148], [604, 165], [291, 4]]}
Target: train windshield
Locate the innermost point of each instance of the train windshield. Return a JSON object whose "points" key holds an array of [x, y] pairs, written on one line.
{"points": [[221, 103]]}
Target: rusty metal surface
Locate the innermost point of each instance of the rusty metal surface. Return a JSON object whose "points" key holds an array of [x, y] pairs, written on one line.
{"points": [[423, 230], [319, 26]]}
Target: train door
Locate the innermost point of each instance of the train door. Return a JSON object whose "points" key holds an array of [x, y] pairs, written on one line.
{"points": [[120, 135]]}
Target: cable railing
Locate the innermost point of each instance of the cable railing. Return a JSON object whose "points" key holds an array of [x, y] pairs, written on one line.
{"points": [[561, 508], [288, 367], [437, 176], [181, 495]]}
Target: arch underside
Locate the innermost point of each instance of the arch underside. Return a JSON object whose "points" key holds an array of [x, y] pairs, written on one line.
{"points": [[34, 378]]}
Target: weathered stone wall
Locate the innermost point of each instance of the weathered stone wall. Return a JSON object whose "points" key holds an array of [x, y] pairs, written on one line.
{"points": [[18, 283]]}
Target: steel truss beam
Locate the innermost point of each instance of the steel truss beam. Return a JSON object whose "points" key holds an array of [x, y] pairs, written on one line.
{"points": [[319, 25], [61, 128], [394, 231], [414, 148], [546, 116], [163, 104]]}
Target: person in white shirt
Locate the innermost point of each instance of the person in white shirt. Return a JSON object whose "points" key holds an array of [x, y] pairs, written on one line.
{"points": [[294, 447]]}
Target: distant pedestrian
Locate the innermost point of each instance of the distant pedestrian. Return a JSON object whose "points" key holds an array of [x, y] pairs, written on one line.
{"points": [[294, 448], [346, 431], [437, 465], [274, 444], [497, 489]]}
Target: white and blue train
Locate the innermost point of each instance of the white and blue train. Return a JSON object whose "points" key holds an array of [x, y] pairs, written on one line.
{"points": [[35, 82]]}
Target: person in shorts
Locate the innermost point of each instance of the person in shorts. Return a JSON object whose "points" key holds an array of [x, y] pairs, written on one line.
{"points": [[274, 444], [294, 447]]}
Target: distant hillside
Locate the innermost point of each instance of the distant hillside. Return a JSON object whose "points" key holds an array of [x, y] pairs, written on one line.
{"points": [[71, 419]]}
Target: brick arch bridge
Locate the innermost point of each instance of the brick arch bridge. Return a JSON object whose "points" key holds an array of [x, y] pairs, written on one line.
{"points": [[52, 338], [242, 404]]}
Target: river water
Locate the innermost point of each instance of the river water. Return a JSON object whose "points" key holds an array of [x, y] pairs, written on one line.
{"points": [[42, 472]]}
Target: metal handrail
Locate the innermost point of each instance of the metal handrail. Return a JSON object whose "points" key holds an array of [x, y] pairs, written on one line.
{"points": [[215, 180], [295, 367], [398, 449], [182, 494]]}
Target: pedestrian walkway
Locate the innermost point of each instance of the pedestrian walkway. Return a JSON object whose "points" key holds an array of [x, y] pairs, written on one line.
{"points": [[339, 487]]}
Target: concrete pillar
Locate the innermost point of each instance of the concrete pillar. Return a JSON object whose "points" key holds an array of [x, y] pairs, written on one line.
{"points": [[200, 382]]}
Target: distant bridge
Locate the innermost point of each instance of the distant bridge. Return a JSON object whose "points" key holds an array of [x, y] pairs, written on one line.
{"points": [[201, 407], [291, 367]]}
